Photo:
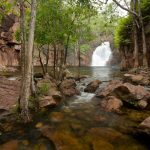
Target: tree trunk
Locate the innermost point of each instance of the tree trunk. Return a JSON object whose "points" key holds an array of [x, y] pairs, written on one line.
{"points": [[47, 59], [28, 68], [54, 60], [23, 35], [145, 61], [33, 90], [23, 45], [79, 61], [42, 65], [136, 47], [66, 50]]}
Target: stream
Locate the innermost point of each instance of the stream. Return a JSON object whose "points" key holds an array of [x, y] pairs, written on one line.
{"points": [[78, 123]]}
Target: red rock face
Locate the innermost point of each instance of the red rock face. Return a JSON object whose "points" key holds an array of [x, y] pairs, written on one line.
{"points": [[9, 48]]}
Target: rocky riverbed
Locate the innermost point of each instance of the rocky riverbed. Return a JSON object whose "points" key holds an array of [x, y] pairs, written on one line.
{"points": [[112, 115]]}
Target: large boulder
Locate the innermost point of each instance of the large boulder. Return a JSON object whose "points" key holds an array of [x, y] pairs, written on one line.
{"points": [[47, 101], [111, 104], [68, 87], [140, 79], [92, 86], [127, 92], [49, 88], [51, 96]]}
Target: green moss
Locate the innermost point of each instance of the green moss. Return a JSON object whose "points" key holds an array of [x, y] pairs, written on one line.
{"points": [[44, 89], [123, 32]]}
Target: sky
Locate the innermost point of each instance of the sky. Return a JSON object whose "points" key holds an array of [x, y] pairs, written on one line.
{"points": [[120, 10]]}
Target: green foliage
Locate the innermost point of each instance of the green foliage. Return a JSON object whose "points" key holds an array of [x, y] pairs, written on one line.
{"points": [[7, 7], [84, 48], [17, 35], [44, 89], [123, 32], [145, 8]]}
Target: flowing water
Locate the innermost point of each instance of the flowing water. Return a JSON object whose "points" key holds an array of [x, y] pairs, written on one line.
{"points": [[101, 55], [78, 123]]}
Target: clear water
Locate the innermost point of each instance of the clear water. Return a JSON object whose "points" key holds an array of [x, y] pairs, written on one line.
{"points": [[79, 123]]}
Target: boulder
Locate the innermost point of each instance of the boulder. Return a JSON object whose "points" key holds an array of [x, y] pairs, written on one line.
{"points": [[140, 78], [68, 87], [49, 88], [47, 101], [127, 92], [111, 104], [92, 86], [108, 89]]}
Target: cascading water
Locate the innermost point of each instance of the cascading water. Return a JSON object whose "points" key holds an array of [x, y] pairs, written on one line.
{"points": [[101, 55]]}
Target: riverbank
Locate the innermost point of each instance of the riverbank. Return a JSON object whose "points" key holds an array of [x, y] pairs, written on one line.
{"points": [[82, 121]]}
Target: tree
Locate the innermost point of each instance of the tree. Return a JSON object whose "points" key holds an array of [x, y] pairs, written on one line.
{"points": [[26, 78]]}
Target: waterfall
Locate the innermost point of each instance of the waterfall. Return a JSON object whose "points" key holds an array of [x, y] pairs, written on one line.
{"points": [[101, 55]]}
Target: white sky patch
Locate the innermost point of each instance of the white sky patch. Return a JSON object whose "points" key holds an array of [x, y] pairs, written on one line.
{"points": [[118, 9]]}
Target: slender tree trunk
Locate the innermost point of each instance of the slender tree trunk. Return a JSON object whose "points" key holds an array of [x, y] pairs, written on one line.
{"points": [[28, 71], [136, 47], [79, 61], [145, 61], [47, 59], [23, 45], [66, 49], [42, 65], [23, 35], [54, 60], [33, 90]]}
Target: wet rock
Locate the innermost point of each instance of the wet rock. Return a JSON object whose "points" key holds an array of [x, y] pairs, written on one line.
{"points": [[111, 104], [105, 134], [136, 115], [47, 101], [25, 142], [144, 127], [39, 125], [92, 86], [63, 140], [68, 88], [100, 119], [108, 89], [11, 145], [142, 104], [99, 144], [127, 92], [56, 117]]}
